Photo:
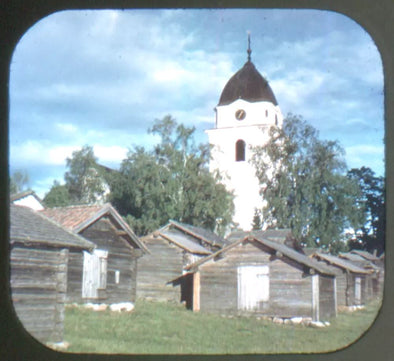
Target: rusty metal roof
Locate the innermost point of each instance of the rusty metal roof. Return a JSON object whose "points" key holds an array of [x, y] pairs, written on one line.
{"points": [[77, 218]]}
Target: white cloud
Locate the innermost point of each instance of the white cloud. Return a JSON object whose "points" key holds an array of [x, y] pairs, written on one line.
{"points": [[33, 152], [102, 77], [110, 153], [371, 156], [66, 127]]}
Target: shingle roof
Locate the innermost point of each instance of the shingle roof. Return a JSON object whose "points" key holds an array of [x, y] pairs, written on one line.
{"points": [[365, 254], [358, 260], [200, 233], [285, 250], [184, 241], [352, 257], [339, 262], [73, 216], [32, 227], [78, 218]]}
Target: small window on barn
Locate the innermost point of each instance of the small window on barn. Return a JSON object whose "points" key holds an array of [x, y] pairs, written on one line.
{"points": [[240, 150]]}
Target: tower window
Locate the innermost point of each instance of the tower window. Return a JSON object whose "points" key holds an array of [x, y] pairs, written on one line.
{"points": [[240, 150], [266, 113], [276, 119]]}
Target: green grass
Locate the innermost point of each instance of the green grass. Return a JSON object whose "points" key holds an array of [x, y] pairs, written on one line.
{"points": [[165, 328]]}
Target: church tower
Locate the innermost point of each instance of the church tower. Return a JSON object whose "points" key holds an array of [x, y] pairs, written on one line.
{"points": [[246, 110]]}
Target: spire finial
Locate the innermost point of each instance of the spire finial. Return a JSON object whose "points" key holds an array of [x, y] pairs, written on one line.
{"points": [[249, 51]]}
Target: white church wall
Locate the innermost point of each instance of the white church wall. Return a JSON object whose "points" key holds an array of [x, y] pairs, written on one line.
{"points": [[254, 113], [239, 176]]}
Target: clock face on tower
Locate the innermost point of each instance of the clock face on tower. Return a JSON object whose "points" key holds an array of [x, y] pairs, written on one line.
{"points": [[240, 114]]}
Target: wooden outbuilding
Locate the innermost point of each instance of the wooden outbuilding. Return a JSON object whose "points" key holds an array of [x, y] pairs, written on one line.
{"points": [[354, 284], [172, 247], [371, 263], [39, 257], [109, 274], [256, 274]]}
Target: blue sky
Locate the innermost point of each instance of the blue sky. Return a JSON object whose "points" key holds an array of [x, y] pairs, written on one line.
{"points": [[102, 77]]}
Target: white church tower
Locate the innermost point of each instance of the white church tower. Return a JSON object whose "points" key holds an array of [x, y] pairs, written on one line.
{"points": [[247, 109]]}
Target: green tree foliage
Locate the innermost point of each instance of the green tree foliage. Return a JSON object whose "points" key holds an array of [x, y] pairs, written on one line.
{"points": [[172, 181], [371, 235], [304, 184], [58, 196], [256, 223], [19, 182], [84, 180]]}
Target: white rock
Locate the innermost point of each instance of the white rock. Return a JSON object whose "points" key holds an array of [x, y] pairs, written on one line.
{"points": [[317, 324], [296, 320], [122, 306], [277, 320]]}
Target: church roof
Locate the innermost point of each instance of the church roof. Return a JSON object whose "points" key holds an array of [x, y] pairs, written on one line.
{"points": [[247, 84]]}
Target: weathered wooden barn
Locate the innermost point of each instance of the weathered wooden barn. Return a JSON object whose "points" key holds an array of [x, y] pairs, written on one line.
{"points": [[353, 283], [109, 274], [368, 262], [39, 264], [172, 247], [256, 274]]}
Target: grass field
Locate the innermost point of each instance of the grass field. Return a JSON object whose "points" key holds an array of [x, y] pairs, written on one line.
{"points": [[165, 328]]}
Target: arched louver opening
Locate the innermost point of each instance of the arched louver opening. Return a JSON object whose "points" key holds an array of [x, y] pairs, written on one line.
{"points": [[240, 150]]}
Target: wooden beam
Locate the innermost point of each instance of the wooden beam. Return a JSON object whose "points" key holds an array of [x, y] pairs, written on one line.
{"points": [[196, 291], [315, 298]]}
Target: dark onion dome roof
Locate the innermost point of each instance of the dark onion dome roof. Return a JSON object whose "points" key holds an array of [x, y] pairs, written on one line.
{"points": [[247, 84]]}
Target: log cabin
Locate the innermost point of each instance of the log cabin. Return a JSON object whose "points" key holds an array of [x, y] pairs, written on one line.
{"points": [[39, 257], [353, 283], [109, 274], [257, 275], [172, 247], [368, 262]]}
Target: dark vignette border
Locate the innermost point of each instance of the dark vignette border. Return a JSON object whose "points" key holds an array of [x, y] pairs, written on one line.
{"points": [[377, 18]]}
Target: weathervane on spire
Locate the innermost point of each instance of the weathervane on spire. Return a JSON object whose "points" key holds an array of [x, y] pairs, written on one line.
{"points": [[249, 50]]}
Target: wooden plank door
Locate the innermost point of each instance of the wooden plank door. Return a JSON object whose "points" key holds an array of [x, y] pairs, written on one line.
{"points": [[315, 298], [253, 286], [94, 275]]}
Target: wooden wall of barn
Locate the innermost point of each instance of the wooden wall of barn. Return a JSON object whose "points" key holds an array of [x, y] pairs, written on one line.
{"points": [[342, 288], [327, 306], [38, 290], [121, 258], [74, 276], [290, 290], [163, 264]]}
